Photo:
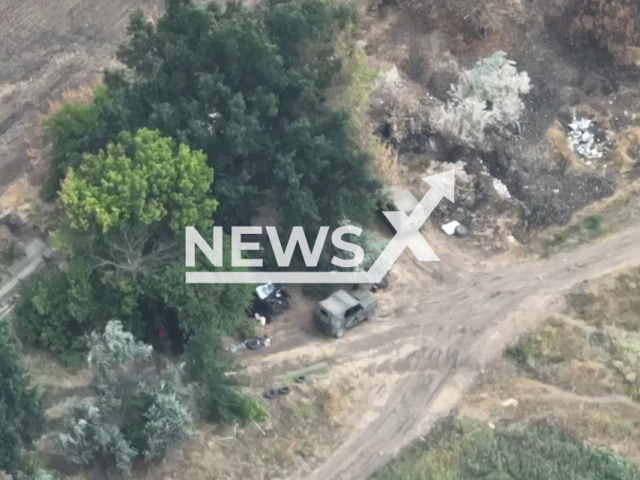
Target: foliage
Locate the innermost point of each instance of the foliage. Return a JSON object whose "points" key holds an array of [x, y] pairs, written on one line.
{"points": [[217, 398], [142, 179], [73, 131], [486, 96], [31, 469], [470, 452], [21, 411], [139, 412], [250, 90], [90, 436], [59, 308], [10, 253]]}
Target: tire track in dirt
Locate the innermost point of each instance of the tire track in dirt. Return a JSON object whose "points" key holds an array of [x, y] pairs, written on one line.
{"points": [[471, 324]]}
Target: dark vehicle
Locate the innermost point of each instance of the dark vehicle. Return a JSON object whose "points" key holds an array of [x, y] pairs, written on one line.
{"points": [[270, 300], [343, 310]]}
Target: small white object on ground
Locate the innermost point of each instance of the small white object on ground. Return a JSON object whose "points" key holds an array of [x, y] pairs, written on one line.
{"points": [[267, 342], [512, 402], [261, 319], [583, 140], [501, 188], [450, 228]]}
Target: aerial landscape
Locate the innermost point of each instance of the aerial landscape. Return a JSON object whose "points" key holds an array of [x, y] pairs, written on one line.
{"points": [[320, 240]]}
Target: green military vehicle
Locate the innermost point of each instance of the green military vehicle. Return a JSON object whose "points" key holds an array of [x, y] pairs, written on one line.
{"points": [[343, 310]]}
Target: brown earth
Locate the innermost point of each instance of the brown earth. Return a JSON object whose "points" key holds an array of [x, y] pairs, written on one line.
{"points": [[424, 353], [45, 49]]}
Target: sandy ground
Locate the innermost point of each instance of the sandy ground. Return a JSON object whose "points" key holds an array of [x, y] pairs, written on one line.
{"points": [[416, 359]]}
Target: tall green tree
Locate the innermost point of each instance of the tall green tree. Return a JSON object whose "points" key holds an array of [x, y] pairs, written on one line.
{"points": [[142, 179], [21, 412], [250, 88]]}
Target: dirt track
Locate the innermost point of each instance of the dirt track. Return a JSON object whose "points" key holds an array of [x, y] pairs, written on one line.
{"points": [[437, 346]]}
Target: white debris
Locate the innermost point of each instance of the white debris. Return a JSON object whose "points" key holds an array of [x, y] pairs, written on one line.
{"points": [[501, 188], [512, 402], [583, 140], [450, 228]]}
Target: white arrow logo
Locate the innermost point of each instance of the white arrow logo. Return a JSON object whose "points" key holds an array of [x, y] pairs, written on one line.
{"points": [[407, 235]]}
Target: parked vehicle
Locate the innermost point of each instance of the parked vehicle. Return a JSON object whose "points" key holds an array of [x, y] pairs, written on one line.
{"points": [[270, 300], [344, 310]]}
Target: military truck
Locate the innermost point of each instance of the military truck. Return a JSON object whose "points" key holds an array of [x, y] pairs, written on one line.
{"points": [[344, 310]]}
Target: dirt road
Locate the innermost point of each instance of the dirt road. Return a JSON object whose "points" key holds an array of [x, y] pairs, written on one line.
{"points": [[438, 345]]}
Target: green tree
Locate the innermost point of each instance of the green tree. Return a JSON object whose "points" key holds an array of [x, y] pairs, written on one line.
{"points": [[21, 412], [139, 412], [142, 179], [250, 89]]}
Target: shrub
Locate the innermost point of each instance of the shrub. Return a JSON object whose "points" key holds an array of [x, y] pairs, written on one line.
{"points": [[139, 412], [216, 394], [486, 96], [59, 309], [90, 436]]}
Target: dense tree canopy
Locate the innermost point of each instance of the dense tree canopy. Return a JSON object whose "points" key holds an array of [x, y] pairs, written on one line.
{"points": [[21, 413], [142, 179], [249, 90], [220, 110], [125, 209]]}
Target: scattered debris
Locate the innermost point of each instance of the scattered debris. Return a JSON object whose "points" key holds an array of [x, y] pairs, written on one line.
{"points": [[261, 319], [461, 231], [450, 228], [585, 139], [270, 394], [512, 402], [251, 344], [259, 428], [238, 347], [284, 391], [501, 188], [300, 379], [317, 370]]}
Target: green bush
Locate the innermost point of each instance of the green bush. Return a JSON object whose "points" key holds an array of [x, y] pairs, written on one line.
{"points": [[139, 412], [216, 388], [59, 309]]}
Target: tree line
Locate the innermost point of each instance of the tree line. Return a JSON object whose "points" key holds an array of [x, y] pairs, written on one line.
{"points": [[218, 111]]}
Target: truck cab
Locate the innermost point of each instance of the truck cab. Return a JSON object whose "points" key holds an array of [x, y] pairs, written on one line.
{"points": [[343, 310]]}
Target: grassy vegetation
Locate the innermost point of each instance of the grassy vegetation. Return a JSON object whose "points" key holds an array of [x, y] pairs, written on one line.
{"points": [[584, 231], [616, 213], [469, 451], [571, 412]]}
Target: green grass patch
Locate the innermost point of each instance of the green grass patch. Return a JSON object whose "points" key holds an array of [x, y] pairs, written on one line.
{"points": [[584, 231], [467, 451], [615, 302], [556, 342]]}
